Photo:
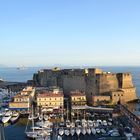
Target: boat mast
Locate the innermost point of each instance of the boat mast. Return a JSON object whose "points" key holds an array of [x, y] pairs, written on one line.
{"points": [[67, 111]]}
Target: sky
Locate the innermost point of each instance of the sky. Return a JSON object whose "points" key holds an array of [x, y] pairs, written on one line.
{"points": [[70, 32]]}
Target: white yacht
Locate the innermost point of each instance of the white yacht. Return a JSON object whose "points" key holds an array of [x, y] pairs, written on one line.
{"points": [[67, 132], [15, 117], [78, 131], [93, 131], [98, 131], [45, 117], [72, 131], [88, 131], [41, 117], [84, 131], [61, 131], [7, 116], [59, 137], [68, 124]]}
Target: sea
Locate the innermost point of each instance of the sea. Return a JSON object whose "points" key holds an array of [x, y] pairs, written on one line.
{"points": [[16, 131]]}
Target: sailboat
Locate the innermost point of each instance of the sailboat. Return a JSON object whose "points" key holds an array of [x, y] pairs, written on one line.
{"points": [[78, 131], [84, 131], [41, 117], [84, 124], [67, 120], [32, 134], [7, 116], [59, 137], [88, 131], [93, 131], [72, 131], [61, 131], [67, 132], [15, 117]]}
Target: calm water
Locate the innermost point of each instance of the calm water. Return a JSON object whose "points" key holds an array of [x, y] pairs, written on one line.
{"points": [[16, 131]]}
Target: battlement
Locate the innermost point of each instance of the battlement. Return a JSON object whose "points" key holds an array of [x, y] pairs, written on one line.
{"points": [[92, 81]]}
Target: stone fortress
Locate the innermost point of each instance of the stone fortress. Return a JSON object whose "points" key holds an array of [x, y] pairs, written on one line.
{"points": [[99, 86]]}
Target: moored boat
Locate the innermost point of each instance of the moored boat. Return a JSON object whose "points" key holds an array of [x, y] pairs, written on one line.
{"points": [[88, 131], [84, 131], [78, 131], [61, 131], [72, 131], [6, 117], [15, 117], [93, 131], [67, 132]]}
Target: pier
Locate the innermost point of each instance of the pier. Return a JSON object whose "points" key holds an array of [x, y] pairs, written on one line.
{"points": [[2, 136], [134, 120], [94, 109]]}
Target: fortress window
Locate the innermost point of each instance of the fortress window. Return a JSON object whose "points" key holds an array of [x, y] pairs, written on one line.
{"points": [[50, 98], [55, 98], [96, 81], [114, 94]]}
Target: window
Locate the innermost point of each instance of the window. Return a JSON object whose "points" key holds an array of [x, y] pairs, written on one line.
{"points": [[114, 94], [55, 98], [96, 81], [50, 98]]}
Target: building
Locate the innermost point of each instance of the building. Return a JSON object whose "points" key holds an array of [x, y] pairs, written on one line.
{"points": [[23, 99], [50, 99], [100, 99], [93, 81], [78, 98]]}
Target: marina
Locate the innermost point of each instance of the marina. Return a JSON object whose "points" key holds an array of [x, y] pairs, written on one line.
{"points": [[76, 122], [91, 125]]}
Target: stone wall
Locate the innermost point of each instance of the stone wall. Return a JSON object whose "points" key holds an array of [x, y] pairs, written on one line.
{"points": [[100, 98], [92, 81], [71, 83], [125, 80], [106, 83]]}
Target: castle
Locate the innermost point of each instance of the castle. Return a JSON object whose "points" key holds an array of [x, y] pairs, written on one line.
{"points": [[99, 86]]}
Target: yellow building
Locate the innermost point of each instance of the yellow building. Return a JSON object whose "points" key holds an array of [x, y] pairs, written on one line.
{"points": [[23, 99], [99, 99], [50, 99], [78, 98]]}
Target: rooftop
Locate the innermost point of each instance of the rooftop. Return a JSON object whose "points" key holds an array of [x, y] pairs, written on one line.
{"points": [[77, 93], [50, 94]]}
